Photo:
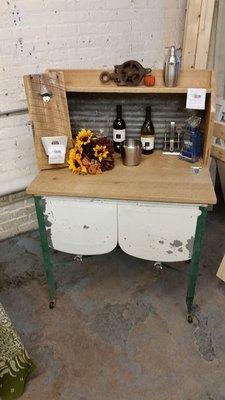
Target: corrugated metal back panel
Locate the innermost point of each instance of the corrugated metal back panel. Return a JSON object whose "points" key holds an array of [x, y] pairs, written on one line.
{"points": [[97, 111]]}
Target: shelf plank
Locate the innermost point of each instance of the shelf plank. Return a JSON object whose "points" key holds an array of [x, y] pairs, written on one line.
{"points": [[117, 89], [159, 178], [88, 81]]}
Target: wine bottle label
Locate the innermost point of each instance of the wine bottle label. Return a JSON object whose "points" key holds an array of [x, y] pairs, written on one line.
{"points": [[119, 135], [147, 142]]}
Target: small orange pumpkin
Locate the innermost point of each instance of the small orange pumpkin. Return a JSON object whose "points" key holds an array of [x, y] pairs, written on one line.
{"points": [[149, 80]]}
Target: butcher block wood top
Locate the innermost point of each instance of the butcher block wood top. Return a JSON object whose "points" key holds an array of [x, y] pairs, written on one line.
{"points": [[159, 178]]}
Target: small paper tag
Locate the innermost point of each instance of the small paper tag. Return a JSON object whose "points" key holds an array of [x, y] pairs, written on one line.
{"points": [[196, 98], [56, 154]]}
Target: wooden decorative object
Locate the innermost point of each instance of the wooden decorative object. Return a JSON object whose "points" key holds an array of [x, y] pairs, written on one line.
{"points": [[48, 118]]}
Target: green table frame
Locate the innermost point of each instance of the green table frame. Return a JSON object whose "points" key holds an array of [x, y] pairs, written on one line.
{"points": [[193, 272]]}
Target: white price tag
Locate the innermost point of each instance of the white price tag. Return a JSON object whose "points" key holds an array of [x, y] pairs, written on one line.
{"points": [[56, 154], [196, 98]]}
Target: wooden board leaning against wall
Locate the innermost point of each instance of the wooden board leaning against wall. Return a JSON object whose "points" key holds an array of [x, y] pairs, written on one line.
{"points": [[49, 118]]}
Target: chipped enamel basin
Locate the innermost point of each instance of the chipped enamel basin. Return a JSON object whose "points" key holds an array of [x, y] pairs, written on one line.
{"points": [[80, 226], [157, 231], [152, 231]]}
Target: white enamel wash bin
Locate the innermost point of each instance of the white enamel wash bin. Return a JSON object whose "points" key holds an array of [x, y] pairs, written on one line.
{"points": [[152, 231]]}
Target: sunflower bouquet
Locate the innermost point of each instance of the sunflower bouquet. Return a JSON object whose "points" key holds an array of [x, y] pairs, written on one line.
{"points": [[90, 154]]}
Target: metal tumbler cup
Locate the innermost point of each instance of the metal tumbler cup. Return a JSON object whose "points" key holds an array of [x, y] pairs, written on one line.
{"points": [[131, 152]]}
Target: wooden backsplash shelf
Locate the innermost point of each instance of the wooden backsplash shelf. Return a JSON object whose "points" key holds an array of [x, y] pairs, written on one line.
{"points": [[52, 117]]}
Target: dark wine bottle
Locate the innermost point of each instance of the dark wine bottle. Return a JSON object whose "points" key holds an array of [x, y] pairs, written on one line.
{"points": [[119, 129], [147, 133]]}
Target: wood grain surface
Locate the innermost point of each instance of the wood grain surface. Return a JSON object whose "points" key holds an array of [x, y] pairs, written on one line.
{"points": [[191, 29], [204, 33], [159, 178], [219, 130], [47, 118], [87, 80], [197, 31], [217, 151]]}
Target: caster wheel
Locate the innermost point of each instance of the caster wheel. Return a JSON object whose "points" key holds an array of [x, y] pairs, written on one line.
{"points": [[78, 258], [189, 318], [158, 265], [52, 304], [188, 261]]}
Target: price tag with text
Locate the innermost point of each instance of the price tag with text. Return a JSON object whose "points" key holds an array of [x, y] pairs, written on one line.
{"points": [[196, 98], [57, 154]]}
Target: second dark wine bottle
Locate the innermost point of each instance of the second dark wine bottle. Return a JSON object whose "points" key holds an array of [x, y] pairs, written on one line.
{"points": [[119, 129], [147, 133]]}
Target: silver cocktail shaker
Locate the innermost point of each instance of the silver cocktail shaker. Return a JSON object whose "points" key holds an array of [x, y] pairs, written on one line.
{"points": [[171, 67]]}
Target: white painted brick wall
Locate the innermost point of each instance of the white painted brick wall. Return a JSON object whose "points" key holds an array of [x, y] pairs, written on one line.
{"points": [[40, 34], [17, 215]]}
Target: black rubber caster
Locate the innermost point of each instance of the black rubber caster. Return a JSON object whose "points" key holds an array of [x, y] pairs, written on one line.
{"points": [[52, 304], [189, 318]]}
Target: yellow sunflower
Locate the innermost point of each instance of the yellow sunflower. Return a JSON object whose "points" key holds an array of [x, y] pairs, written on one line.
{"points": [[77, 145], [100, 152], [75, 163], [74, 152], [83, 137]]}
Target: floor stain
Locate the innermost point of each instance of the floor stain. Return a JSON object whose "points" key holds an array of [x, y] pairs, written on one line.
{"points": [[114, 321], [203, 336]]}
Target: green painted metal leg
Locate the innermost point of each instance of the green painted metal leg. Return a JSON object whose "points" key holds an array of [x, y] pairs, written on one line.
{"points": [[45, 251], [199, 233]]}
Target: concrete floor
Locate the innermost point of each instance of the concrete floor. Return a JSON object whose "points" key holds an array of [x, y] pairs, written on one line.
{"points": [[119, 330]]}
